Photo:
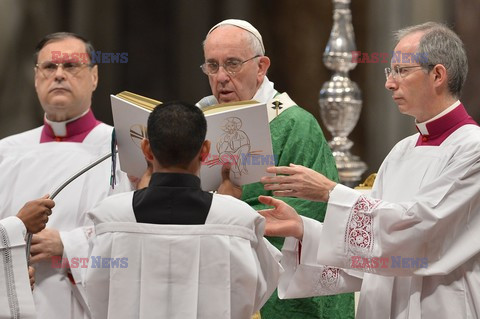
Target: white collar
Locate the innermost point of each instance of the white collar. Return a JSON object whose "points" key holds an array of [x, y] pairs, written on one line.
{"points": [[265, 92], [422, 127], [60, 128]]}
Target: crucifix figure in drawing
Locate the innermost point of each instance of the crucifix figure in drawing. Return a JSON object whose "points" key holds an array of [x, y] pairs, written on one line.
{"points": [[234, 146]]}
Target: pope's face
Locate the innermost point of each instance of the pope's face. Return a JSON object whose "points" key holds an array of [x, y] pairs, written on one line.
{"points": [[64, 95], [230, 43]]}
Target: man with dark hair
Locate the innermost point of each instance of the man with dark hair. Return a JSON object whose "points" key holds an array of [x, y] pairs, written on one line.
{"points": [[39, 160], [188, 137], [59, 56], [176, 135], [193, 270], [415, 239]]}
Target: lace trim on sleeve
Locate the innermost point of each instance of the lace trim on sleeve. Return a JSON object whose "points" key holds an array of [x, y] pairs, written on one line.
{"points": [[9, 274], [359, 236]]}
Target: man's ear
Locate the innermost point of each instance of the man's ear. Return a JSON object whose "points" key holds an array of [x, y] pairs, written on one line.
{"points": [[439, 73], [94, 75], [205, 150], [147, 150], [35, 77], [263, 65]]}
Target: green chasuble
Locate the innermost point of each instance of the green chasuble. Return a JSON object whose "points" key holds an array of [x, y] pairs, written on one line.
{"points": [[297, 138]]}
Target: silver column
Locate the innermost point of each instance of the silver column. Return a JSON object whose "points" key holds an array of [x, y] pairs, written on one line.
{"points": [[340, 98]]}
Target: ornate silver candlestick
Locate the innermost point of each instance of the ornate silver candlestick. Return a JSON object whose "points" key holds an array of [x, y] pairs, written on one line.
{"points": [[340, 98]]}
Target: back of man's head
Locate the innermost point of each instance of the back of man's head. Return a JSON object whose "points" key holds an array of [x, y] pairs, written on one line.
{"points": [[176, 132], [440, 45]]}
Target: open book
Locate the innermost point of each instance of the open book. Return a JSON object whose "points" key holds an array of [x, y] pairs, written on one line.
{"points": [[130, 114], [239, 133]]}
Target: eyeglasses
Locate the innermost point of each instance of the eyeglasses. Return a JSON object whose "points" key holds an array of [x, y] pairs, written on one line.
{"points": [[231, 66], [402, 71], [49, 68]]}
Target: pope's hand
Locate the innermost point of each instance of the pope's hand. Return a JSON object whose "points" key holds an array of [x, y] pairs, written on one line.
{"points": [[228, 187]]}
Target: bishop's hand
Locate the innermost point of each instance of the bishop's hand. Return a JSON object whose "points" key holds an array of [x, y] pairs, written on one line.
{"points": [[282, 220], [298, 181]]}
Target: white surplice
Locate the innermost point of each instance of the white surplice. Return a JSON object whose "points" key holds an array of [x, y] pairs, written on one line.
{"points": [[30, 170], [16, 300], [223, 269], [427, 225]]}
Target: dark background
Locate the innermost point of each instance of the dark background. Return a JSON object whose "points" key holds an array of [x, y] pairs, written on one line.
{"points": [[163, 41]]}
